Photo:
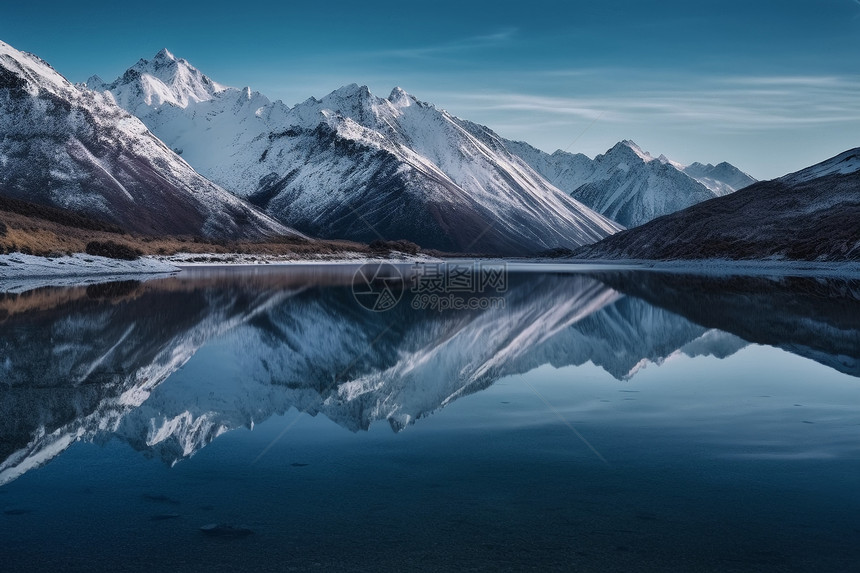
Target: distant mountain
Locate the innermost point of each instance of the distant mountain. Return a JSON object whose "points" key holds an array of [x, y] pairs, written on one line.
{"points": [[722, 178], [356, 166], [76, 149], [629, 185], [809, 215]]}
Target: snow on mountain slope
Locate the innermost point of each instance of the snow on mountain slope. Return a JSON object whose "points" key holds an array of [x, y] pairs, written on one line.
{"points": [[355, 166], [630, 185], [163, 81], [846, 163], [203, 121], [567, 171], [76, 149]]}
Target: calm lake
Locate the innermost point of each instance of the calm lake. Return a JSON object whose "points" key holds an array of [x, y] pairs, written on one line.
{"points": [[431, 417]]}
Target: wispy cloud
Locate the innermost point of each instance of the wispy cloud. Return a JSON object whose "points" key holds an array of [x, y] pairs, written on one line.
{"points": [[723, 104], [788, 81], [483, 41]]}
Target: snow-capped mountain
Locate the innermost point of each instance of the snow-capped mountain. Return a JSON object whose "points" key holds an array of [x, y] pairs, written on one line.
{"points": [[722, 178], [198, 118], [76, 149], [356, 166], [630, 185], [808, 215], [163, 81]]}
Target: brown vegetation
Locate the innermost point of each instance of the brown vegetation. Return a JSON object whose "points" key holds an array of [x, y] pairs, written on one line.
{"points": [[45, 231], [112, 250]]}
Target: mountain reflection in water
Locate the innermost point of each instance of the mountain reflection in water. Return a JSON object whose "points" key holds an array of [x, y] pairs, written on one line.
{"points": [[90, 363]]}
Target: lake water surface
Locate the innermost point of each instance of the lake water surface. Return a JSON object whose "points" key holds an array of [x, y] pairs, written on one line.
{"points": [[594, 420]]}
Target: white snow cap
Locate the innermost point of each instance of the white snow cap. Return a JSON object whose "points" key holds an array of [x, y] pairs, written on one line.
{"points": [[165, 54], [401, 98], [644, 155]]}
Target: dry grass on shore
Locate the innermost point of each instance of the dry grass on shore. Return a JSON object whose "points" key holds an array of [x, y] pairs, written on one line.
{"points": [[46, 232]]}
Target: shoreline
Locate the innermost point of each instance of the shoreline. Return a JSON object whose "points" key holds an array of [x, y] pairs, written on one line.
{"points": [[725, 267], [20, 273]]}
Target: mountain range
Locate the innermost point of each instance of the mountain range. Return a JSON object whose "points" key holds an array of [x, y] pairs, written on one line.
{"points": [[355, 166], [340, 166], [166, 150], [629, 185], [812, 214]]}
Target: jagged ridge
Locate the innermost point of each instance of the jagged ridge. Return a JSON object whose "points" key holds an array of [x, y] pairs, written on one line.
{"points": [[355, 166], [630, 185]]}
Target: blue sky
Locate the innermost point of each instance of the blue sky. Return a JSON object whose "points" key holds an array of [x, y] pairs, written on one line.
{"points": [[771, 86]]}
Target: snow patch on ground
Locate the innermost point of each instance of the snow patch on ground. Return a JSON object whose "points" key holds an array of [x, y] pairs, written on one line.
{"points": [[20, 273], [242, 259]]}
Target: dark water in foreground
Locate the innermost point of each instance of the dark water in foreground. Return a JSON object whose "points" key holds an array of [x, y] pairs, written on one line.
{"points": [[559, 421]]}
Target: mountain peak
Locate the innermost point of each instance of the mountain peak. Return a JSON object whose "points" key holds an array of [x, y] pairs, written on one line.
{"points": [[164, 56], [29, 72], [722, 179], [626, 146], [401, 98], [64, 164], [644, 155], [351, 101], [351, 90], [666, 161], [95, 82], [165, 79]]}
